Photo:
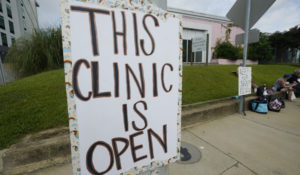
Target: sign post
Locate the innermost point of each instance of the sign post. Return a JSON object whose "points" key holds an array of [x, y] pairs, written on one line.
{"points": [[2, 72], [123, 69], [247, 18], [254, 10]]}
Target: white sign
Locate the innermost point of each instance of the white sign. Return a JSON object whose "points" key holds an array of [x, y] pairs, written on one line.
{"points": [[245, 79], [126, 80], [253, 37], [258, 8], [199, 44]]}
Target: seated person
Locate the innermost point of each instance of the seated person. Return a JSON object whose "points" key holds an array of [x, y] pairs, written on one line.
{"points": [[295, 79], [281, 85]]}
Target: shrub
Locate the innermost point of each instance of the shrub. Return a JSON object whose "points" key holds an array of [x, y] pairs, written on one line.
{"points": [[261, 50], [38, 52], [240, 51], [227, 50]]}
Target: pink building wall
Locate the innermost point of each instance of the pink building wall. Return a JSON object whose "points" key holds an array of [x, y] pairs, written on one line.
{"points": [[218, 30]]}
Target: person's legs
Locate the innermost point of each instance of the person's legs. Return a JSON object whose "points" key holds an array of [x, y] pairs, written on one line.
{"points": [[297, 89], [289, 91]]}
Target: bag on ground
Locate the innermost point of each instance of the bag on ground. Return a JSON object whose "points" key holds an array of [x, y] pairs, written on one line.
{"points": [[282, 102], [275, 105], [260, 106]]}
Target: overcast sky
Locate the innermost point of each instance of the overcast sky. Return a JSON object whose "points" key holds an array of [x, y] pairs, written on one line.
{"points": [[283, 15]]}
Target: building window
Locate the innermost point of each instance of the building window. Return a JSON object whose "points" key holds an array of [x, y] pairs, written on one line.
{"points": [[8, 9], [4, 39], [25, 26], [22, 3], [11, 27], [188, 55], [2, 23], [8, 0], [12, 40], [1, 10], [23, 13], [184, 51]]}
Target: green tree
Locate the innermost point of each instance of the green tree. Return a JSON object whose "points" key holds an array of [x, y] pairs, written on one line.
{"points": [[261, 50], [281, 41], [224, 49]]}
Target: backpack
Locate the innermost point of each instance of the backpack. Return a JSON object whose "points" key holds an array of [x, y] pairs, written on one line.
{"points": [[260, 91], [259, 105]]}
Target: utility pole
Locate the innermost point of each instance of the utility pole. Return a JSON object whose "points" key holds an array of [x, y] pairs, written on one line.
{"points": [[247, 19]]}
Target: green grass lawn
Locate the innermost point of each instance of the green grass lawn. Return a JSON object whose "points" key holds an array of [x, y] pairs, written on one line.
{"points": [[39, 102], [201, 83], [32, 104]]}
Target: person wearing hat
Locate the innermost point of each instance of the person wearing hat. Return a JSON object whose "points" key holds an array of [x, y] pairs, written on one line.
{"points": [[281, 85], [295, 79]]}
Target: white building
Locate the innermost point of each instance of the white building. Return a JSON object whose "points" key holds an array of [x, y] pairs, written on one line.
{"points": [[201, 25], [212, 27], [17, 18]]}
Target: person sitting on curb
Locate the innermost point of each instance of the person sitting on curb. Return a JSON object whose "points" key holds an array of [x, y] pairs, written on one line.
{"points": [[295, 79], [280, 85]]}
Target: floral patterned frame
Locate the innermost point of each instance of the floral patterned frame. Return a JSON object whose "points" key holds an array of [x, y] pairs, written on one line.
{"points": [[145, 6]]}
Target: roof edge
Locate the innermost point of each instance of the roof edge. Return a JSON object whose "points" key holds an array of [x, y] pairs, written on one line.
{"points": [[198, 15]]}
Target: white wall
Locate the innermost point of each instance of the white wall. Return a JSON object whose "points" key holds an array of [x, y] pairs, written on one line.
{"points": [[17, 18], [14, 19], [192, 29]]}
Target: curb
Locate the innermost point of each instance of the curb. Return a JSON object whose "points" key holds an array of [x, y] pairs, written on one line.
{"points": [[36, 151], [193, 114], [52, 147], [211, 110]]}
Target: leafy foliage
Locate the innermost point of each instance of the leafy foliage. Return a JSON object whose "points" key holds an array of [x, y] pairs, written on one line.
{"points": [[287, 39], [36, 53], [261, 50], [226, 50], [283, 41]]}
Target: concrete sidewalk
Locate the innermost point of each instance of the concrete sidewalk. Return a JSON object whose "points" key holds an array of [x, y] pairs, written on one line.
{"points": [[254, 144]]}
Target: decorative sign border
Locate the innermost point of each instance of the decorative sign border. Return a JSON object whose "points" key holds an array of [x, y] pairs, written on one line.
{"points": [[134, 5]]}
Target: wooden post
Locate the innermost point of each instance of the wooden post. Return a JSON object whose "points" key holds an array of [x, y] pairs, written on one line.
{"points": [[207, 48]]}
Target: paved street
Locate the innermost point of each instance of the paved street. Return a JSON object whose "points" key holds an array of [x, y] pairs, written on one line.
{"points": [[255, 144]]}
